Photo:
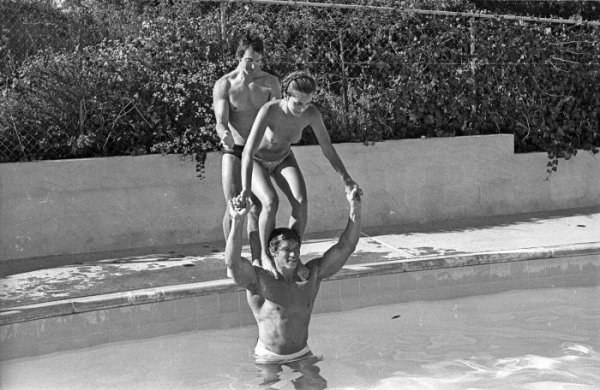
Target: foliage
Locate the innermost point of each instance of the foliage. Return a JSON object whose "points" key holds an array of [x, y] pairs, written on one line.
{"points": [[576, 9], [118, 96], [145, 87]]}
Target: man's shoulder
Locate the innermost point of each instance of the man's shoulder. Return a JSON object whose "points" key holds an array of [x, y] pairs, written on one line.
{"points": [[267, 78], [225, 80], [221, 87], [313, 265]]}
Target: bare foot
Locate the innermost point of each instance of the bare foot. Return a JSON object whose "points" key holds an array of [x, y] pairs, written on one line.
{"points": [[302, 271], [268, 265]]}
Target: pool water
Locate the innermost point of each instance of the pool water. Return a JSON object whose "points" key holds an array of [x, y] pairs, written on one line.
{"points": [[526, 339]]}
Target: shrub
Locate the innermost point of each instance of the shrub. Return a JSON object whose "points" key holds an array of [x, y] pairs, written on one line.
{"points": [[145, 86]]}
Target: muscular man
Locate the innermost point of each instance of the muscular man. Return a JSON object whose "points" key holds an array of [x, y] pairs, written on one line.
{"points": [[237, 97], [282, 308]]}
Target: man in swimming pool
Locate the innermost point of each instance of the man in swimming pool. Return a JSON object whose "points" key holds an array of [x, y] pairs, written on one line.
{"points": [[283, 307], [237, 97]]}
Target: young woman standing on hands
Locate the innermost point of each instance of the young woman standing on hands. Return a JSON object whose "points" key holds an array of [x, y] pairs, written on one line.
{"points": [[268, 154]]}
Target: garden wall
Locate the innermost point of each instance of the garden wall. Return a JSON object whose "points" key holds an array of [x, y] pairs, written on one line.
{"points": [[99, 204]]}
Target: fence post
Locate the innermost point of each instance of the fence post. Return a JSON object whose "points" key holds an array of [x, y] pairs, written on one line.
{"points": [[344, 82], [223, 10], [473, 60]]}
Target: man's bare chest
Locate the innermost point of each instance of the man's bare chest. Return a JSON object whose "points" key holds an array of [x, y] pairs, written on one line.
{"points": [[248, 97], [290, 306], [287, 300]]}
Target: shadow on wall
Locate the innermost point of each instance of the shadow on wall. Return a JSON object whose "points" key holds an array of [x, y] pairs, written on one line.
{"points": [[468, 224]]}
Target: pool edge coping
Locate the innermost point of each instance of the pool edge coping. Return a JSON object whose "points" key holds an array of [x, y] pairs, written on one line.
{"points": [[78, 305]]}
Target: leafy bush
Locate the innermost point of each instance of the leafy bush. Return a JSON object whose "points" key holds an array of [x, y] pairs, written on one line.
{"points": [[145, 87], [119, 97]]}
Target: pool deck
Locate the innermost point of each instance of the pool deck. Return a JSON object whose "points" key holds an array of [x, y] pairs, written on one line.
{"points": [[58, 285]]}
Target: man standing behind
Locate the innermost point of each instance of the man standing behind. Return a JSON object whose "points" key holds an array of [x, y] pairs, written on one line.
{"points": [[282, 308], [237, 97]]}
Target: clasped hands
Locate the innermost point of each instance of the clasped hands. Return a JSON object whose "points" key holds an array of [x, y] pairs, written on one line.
{"points": [[227, 140], [353, 191], [238, 207]]}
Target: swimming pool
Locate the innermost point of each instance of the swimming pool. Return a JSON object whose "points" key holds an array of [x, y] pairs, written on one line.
{"points": [[523, 339]]}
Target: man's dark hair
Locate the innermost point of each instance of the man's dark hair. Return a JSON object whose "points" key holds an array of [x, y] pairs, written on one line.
{"points": [[299, 81], [282, 234], [249, 40]]}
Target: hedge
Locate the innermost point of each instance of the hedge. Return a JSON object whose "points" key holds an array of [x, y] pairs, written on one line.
{"points": [[140, 79]]}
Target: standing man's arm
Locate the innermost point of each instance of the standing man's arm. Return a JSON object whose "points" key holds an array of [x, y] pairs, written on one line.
{"points": [[334, 259], [221, 108], [252, 144], [275, 89], [242, 270]]}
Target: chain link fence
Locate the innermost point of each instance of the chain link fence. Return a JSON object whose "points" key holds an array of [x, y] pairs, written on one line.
{"points": [[28, 28], [384, 71]]}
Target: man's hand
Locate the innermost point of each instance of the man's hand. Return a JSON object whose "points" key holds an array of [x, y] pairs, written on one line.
{"points": [[350, 185], [246, 195], [227, 140], [237, 208], [353, 190], [354, 197]]}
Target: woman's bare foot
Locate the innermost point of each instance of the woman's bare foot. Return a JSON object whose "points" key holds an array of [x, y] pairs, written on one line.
{"points": [[266, 262], [302, 271]]}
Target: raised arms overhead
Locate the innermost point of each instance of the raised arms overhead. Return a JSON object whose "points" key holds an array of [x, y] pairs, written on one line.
{"points": [[335, 257], [242, 270]]}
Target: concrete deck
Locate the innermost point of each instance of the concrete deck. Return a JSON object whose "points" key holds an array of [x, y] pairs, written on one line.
{"points": [[42, 287]]}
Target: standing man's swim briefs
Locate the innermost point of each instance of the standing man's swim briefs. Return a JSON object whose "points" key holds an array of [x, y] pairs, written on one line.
{"points": [[237, 150]]}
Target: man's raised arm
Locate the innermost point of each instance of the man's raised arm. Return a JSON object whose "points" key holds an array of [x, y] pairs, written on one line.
{"points": [[242, 270], [334, 259]]}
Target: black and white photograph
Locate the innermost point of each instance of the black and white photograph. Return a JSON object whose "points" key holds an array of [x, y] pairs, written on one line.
{"points": [[280, 194]]}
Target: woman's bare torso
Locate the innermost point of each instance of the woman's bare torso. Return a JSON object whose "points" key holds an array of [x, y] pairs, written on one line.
{"points": [[282, 131]]}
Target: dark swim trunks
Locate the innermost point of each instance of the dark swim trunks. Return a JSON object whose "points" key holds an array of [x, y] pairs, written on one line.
{"points": [[236, 151]]}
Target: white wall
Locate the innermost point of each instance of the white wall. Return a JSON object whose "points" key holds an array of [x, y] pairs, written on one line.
{"points": [[89, 205]]}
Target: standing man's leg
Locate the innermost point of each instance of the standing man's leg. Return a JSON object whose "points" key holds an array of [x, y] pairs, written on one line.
{"points": [[253, 230], [231, 166], [232, 185]]}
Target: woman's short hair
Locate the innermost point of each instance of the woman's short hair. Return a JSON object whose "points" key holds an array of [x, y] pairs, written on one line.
{"points": [[299, 81], [251, 40], [282, 234]]}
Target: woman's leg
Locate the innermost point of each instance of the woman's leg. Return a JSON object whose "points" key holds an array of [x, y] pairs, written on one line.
{"points": [[289, 178], [253, 230], [232, 185], [263, 189]]}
